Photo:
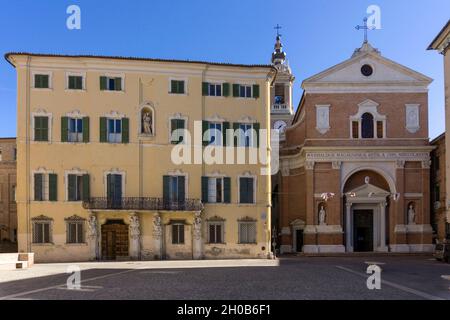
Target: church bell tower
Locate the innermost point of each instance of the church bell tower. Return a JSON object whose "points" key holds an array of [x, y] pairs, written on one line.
{"points": [[281, 93]]}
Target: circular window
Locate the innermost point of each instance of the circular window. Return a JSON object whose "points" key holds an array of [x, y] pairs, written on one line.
{"points": [[367, 70]]}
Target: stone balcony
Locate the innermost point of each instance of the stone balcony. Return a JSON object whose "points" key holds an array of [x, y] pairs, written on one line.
{"points": [[142, 204]]}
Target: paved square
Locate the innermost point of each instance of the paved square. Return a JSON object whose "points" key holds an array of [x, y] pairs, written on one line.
{"points": [[405, 277]]}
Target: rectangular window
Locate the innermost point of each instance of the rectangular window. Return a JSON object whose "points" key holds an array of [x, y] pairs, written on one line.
{"points": [[246, 135], [41, 232], [380, 130], [110, 83], [75, 232], [41, 81], [214, 90], [177, 127], [41, 128], [246, 190], [245, 91], [75, 130], [215, 190], [178, 233], [75, 187], [177, 86], [215, 232], [40, 187], [75, 83], [247, 232], [115, 130], [215, 134], [355, 129], [15, 154]]}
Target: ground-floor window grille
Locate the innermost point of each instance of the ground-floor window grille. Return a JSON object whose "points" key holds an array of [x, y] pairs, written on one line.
{"points": [[177, 233], [247, 232], [75, 232], [41, 232], [215, 232]]}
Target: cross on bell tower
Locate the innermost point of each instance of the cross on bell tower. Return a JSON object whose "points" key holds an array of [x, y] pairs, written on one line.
{"points": [[278, 56], [366, 28], [278, 28]]}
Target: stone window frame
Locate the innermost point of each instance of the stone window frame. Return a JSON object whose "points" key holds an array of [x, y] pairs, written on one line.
{"points": [[367, 106], [75, 74], [42, 220], [46, 174], [114, 75], [177, 173], [79, 220], [186, 86], [77, 172], [248, 221], [42, 72], [114, 171], [42, 113], [255, 184], [216, 220], [177, 116]]}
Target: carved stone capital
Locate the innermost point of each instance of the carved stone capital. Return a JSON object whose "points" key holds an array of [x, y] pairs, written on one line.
{"points": [[309, 165], [400, 164], [336, 165], [426, 164]]}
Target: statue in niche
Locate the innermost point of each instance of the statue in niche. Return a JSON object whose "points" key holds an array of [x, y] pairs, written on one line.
{"points": [[322, 216], [411, 214], [92, 227], [134, 227], [147, 122]]}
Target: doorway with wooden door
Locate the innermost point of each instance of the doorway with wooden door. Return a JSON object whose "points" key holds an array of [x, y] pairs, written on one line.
{"points": [[363, 230], [114, 240]]}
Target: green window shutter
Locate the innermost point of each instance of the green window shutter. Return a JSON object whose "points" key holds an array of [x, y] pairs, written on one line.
{"points": [[72, 84], [86, 129], [64, 129], [242, 190], [103, 129], [181, 87], [256, 127], [110, 186], [180, 125], [205, 189], [44, 128], [173, 127], [72, 187], [226, 89], [227, 190], [79, 83], [256, 91], [38, 177], [205, 87], [37, 81], [181, 189], [225, 127], [250, 185], [236, 127], [118, 84], [53, 187], [45, 81], [173, 86], [166, 188], [37, 129], [235, 90], [125, 130], [86, 188], [205, 127], [103, 83]]}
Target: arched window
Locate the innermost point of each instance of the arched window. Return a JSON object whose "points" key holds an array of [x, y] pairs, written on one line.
{"points": [[367, 126], [147, 121]]}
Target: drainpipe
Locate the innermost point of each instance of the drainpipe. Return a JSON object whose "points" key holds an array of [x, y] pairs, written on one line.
{"points": [[27, 152]]}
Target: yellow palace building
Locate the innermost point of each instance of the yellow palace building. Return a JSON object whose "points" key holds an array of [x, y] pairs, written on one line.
{"points": [[96, 178]]}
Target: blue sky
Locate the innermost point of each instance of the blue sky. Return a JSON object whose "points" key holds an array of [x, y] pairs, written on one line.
{"points": [[316, 34]]}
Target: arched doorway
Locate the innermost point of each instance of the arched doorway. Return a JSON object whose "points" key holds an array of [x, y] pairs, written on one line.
{"points": [[115, 240], [366, 205]]}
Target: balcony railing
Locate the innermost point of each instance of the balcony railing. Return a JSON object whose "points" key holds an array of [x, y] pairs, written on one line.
{"points": [[279, 107], [149, 204]]}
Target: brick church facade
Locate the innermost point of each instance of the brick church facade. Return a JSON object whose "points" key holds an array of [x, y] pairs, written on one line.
{"points": [[355, 168]]}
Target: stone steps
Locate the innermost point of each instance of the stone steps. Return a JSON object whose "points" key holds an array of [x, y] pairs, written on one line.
{"points": [[12, 261]]}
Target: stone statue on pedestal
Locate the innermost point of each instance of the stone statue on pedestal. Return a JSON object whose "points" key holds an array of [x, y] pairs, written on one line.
{"points": [[411, 215], [322, 216]]}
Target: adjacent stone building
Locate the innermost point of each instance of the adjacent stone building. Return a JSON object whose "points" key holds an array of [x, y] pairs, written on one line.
{"points": [[8, 210], [98, 179], [442, 44], [355, 170], [438, 192]]}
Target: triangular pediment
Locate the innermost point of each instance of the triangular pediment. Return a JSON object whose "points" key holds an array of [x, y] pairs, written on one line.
{"points": [[368, 191], [385, 71]]}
